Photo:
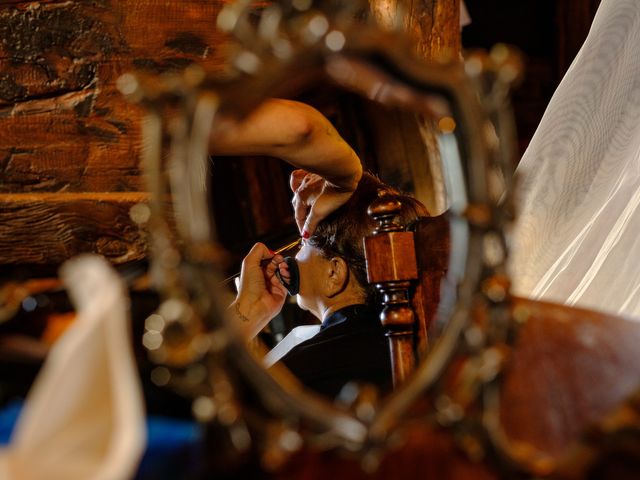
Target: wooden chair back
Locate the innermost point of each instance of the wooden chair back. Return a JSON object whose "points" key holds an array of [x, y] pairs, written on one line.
{"points": [[432, 240], [407, 266]]}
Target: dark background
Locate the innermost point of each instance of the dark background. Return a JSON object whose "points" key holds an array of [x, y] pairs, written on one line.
{"points": [[548, 32]]}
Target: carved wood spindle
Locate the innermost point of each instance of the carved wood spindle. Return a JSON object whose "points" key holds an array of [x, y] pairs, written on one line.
{"points": [[391, 266]]}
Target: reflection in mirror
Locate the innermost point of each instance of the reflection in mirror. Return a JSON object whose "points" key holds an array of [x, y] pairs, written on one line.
{"points": [[394, 113], [330, 333]]}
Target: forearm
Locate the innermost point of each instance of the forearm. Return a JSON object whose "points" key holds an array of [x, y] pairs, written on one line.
{"points": [[325, 153], [249, 326], [296, 133]]}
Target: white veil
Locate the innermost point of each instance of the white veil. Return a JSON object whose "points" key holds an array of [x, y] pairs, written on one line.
{"points": [[577, 237]]}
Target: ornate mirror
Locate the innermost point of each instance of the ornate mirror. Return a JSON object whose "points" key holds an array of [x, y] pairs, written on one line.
{"points": [[429, 129]]}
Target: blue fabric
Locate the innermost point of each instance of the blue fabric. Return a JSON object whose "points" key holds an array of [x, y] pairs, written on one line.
{"points": [[167, 433], [167, 440], [170, 444], [8, 418]]}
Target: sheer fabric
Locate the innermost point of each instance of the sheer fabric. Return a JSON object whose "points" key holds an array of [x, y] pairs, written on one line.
{"points": [[577, 237]]}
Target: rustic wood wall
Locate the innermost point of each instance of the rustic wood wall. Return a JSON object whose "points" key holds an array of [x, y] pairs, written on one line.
{"points": [[433, 25], [69, 142]]}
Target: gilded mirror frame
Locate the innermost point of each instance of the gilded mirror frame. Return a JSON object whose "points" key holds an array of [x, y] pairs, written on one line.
{"points": [[207, 357]]}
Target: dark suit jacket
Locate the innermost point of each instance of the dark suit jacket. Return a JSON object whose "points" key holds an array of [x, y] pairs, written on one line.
{"points": [[351, 346]]}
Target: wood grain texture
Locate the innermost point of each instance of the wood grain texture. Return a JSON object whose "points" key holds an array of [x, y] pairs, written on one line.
{"points": [[50, 228], [402, 350], [433, 247], [64, 127], [390, 257], [433, 25], [391, 265], [63, 124]]}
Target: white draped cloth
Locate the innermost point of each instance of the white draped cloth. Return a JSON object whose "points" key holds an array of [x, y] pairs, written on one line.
{"points": [[295, 337], [84, 417], [577, 237]]}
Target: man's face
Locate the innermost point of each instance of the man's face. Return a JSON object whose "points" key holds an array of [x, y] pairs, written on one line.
{"points": [[314, 270]]}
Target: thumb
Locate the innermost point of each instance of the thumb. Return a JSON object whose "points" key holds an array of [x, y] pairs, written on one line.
{"points": [[257, 253], [310, 223]]}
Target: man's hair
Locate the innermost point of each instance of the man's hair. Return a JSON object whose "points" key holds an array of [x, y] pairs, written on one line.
{"points": [[342, 233]]}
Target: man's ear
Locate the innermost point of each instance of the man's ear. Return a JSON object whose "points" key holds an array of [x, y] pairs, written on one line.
{"points": [[338, 276]]}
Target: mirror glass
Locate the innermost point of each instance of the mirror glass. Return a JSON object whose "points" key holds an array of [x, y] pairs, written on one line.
{"points": [[405, 136]]}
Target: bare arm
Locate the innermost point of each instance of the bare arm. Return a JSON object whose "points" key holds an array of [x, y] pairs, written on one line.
{"points": [[296, 133], [300, 135]]}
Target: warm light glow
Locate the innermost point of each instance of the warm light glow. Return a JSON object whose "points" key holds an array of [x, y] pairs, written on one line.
{"points": [[385, 12], [335, 40], [447, 124]]}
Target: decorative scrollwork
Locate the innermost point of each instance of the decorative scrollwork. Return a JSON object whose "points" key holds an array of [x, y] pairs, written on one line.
{"points": [[191, 337]]}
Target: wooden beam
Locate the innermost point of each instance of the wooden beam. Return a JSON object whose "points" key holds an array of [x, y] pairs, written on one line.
{"points": [[49, 228], [67, 134], [433, 25]]}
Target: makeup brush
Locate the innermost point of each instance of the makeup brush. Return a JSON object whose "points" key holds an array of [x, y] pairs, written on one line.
{"points": [[266, 261]]}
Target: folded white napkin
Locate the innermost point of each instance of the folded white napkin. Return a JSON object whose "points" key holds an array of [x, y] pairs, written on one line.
{"points": [[84, 417]]}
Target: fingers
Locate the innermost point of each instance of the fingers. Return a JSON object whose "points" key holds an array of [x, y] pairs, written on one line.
{"points": [[310, 224], [253, 266], [301, 210], [283, 268], [272, 266], [307, 187], [315, 215], [312, 184], [296, 178], [277, 287], [326, 203], [257, 253], [252, 274]]}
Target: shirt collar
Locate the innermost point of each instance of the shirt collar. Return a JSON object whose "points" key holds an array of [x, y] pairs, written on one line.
{"points": [[348, 313]]}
